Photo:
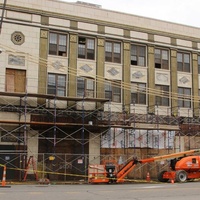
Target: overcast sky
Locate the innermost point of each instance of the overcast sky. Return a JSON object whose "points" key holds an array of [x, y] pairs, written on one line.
{"points": [[179, 11]]}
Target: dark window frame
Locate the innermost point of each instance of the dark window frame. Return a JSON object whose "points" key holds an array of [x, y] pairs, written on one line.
{"points": [[113, 91], [87, 88], [111, 51], [182, 64], [56, 45], [138, 52], [55, 85], [138, 93], [162, 97], [198, 64], [161, 59], [86, 48], [184, 99]]}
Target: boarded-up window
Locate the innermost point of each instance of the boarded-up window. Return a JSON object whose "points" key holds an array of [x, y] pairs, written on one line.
{"points": [[15, 80]]}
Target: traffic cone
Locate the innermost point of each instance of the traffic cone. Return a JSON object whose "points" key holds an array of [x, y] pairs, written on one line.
{"points": [[148, 177], [3, 182]]}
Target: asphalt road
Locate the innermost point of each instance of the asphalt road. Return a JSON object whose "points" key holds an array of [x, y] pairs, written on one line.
{"points": [[145, 191]]}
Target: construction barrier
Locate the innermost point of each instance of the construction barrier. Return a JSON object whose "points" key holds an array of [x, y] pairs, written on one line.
{"points": [[3, 182], [63, 167], [148, 177]]}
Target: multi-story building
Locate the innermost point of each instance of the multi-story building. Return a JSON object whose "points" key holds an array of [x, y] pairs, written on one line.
{"points": [[81, 80]]}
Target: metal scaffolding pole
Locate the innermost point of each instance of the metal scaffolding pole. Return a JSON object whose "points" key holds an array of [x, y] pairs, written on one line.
{"points": [[55, 127], [83, 129]]}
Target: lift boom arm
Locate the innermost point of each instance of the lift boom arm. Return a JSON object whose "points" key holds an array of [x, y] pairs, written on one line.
{"points": [[131, 164], [169, 156], [108, 176]]}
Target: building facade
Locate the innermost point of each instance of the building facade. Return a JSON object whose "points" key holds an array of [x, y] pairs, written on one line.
{"points": [[77, 79]]}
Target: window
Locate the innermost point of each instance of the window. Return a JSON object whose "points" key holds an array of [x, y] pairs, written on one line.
{"points": [[198, 64], [15, 80], [86, 48], [194, 160], [184, 97], [85, 87], [57, 84], [161, 59], [138, 93], [113, 52], [183, 62], [13, 136], [156, 142], [58, 44], [162, 95], [113, 91], [138, 55]]}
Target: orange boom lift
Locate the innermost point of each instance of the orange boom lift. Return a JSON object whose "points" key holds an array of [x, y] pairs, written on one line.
{"points": [[184, 166]]}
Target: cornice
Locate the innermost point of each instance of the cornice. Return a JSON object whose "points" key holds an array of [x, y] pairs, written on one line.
{"points": [[98, 22]]}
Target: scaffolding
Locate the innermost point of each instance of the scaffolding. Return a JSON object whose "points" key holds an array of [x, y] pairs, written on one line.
{"points": [[58, 119]]}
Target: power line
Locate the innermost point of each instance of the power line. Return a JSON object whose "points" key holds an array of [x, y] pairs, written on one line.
{"points": [[2, 15], [101, 79]]}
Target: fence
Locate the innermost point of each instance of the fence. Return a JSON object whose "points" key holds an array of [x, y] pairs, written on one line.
{"points": [[68, 167]]}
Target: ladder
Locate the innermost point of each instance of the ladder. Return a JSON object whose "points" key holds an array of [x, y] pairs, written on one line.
{"points": [[32, 162]]}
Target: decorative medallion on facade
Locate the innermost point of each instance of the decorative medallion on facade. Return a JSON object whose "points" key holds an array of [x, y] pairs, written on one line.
{"points": [[173, 53], [100, 42], [194, 56], [18, 38], [113, 71], [162, 77], [16, 60], [126, 46], [184, 80], [86, 68], [73, 38], [151, 50], [43, 34], [57, 65], [137, 75]]}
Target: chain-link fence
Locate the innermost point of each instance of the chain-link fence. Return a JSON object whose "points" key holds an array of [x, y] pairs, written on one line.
{"points": [[67, 167]]}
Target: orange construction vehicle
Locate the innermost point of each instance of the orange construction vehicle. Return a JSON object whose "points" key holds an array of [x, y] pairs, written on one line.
{"points": [[183, 166]]}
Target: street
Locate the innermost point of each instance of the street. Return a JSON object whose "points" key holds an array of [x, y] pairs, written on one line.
{"points": [[137, 191]]}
